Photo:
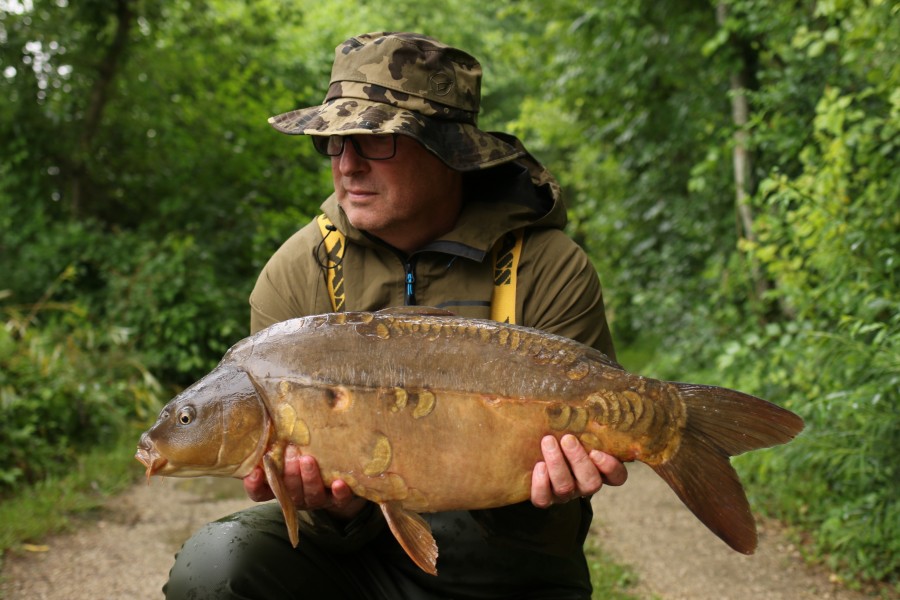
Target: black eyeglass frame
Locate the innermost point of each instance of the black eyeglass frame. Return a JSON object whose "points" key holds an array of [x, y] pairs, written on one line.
{"points": [[321, 143]]}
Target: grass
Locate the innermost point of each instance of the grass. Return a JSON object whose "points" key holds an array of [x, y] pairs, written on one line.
{"points": [[58, 504], [611, 580]]}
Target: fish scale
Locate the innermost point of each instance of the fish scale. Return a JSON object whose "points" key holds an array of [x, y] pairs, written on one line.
{"points": [[398, 403]]}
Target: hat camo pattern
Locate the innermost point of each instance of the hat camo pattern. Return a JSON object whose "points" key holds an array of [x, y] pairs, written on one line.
{"points": [[409, 84]]}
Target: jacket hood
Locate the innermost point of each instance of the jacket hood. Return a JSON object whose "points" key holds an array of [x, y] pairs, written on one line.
{"points": [[518, 194]]}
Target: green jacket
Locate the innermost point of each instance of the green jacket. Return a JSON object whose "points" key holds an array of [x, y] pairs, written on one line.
{"points": [[558, 291]]}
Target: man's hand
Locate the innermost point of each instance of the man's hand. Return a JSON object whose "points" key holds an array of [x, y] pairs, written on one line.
{"points": [[568, 472], [306, 488]]}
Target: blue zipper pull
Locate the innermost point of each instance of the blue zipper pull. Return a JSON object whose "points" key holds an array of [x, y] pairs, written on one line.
{"points": [[410, 285]]}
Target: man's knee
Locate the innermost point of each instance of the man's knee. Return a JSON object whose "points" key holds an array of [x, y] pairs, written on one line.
{"points": [[235, 557]]}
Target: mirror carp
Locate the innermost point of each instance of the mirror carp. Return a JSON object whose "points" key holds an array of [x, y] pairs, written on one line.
{"points": [[421, 411]]}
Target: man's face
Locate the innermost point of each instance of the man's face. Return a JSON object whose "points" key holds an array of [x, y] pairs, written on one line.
{"points": [[411, 194]]}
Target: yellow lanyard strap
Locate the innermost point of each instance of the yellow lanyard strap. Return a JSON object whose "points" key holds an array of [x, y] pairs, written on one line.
{"points": [[335, 243], [506, 253]]}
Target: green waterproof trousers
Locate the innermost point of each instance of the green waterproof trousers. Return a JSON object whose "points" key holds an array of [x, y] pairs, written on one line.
{"points": [[249, 555]]}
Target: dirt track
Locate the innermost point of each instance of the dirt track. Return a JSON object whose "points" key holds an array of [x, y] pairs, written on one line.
{"points": [[127, 554]]}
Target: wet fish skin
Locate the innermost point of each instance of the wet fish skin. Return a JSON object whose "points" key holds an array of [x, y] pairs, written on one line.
{"points": [[401, 404], [216, 427]]}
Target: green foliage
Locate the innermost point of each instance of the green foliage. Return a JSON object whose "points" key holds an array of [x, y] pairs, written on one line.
{"points": [[831, 239], [160, 239], [64, 386], [611, 581], [181, 311], [633, 106], [165, 299], [839, 479]]}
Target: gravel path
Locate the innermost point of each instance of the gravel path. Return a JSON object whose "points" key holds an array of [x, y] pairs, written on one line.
{"points": [[643, 524], [127, 554]]}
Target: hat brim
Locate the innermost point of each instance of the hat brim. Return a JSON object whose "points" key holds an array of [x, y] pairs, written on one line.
{"points": [[461, 146]]}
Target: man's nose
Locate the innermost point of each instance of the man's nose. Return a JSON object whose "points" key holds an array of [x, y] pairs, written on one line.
{"points": [[350, 161]]}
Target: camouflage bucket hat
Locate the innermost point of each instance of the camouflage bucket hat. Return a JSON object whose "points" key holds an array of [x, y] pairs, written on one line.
{"points": [[409, 84]]}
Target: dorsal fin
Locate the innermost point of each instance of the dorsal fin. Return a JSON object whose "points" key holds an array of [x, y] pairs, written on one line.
{"points": [[414, 535], [423, 311]]}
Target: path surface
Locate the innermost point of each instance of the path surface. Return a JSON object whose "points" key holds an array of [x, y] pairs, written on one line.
{"points": [[643, 524], [127, 554]]}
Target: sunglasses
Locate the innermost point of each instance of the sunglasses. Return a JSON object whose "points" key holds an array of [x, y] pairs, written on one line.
{"points": [[370, 147]]}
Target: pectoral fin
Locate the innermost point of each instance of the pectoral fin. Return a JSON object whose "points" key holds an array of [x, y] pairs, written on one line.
{"points": [[276, 482], [414, 535]]}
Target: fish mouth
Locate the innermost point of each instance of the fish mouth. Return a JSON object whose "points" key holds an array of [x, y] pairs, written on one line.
{"points": [[148, 456]]}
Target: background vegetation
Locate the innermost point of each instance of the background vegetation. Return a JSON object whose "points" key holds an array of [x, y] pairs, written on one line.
{"points": [[730, 166]]}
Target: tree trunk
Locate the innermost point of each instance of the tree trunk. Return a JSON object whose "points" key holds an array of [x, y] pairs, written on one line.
{"points": [[740, 83], [97, 101]]}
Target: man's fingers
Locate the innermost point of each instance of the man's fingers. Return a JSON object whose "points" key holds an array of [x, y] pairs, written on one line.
{"points": [[304, 485], [292, 476], [569, 471], [345, 504], [562, 482], [314, 493], [541, 494], [613, 471], [587, 478], [341, 494], [256, 486]]}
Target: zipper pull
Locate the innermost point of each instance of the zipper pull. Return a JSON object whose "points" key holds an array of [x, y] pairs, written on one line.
{"points": [[410, 284]]}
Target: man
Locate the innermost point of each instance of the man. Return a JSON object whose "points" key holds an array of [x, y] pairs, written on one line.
{"points": [[421, 198]]}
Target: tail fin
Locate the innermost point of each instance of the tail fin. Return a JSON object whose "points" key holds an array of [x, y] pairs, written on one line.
{"points": [[722, 423]]}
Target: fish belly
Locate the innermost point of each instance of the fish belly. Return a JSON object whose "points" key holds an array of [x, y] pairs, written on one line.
{"points": [[432, 450]]}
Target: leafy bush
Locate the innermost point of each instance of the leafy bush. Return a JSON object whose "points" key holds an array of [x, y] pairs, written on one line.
{"points": [[91, 318], [839, 478], [182, 312], [65, 386], [831, 242], [167, 297], [824, 340]]}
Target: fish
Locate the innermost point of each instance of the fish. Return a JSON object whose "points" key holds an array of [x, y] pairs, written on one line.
{"points": [[401, 403]]}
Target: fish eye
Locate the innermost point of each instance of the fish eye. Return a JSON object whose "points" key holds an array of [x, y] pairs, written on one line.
{"points": [[186, 415]]}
